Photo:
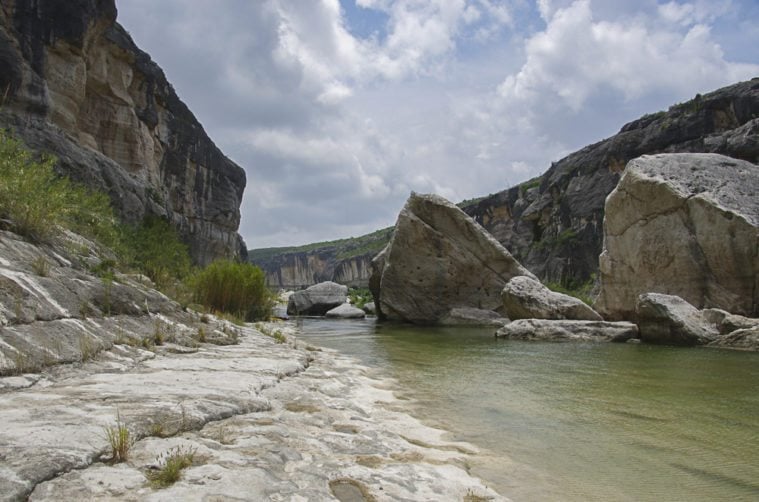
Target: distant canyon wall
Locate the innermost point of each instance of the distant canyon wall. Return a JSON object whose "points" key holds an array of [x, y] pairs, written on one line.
{"points": [[300, 270], [74, 84], [554, 224]]}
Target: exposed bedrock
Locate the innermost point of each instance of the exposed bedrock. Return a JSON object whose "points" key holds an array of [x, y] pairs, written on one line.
{"points": [[74, 84], [685, 225]]}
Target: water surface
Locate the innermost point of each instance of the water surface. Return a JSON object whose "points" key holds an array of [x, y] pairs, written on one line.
{"points": [[576, 421]]}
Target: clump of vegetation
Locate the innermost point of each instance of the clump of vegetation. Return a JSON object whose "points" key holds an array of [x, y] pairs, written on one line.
{"points": [[41, 266], [235, 288], [119, 439], [581, 291], [172, 463], [360, 296], [39, 202], [158, 251]]}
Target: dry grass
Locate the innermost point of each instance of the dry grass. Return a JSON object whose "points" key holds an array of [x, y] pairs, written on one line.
{"points": [[119, 439]]}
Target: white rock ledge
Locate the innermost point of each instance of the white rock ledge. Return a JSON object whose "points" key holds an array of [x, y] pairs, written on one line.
{"points": [[267, 421]]}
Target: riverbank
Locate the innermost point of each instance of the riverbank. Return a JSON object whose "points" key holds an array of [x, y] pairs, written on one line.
{"points": [[264, 421]]}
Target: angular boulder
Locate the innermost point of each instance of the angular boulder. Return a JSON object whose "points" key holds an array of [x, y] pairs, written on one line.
{"points": [[568, 331], [318, 299], [685, 225], [670, 320], [369, 308], [527, 298], [439, 259], [346, 311]]}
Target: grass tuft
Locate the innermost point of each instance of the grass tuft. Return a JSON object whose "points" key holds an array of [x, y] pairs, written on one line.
{"points": [[119, 439], [172, 463]]}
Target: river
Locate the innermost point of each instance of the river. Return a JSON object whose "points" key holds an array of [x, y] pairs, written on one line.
{"points": [[575, 422]]}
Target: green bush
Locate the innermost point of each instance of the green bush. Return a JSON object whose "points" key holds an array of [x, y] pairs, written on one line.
{"points": [[38, 201], [235, 288], [157, 251]]}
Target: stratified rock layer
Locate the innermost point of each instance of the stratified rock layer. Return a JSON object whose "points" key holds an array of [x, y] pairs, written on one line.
{"points": [[568, 331], [437, 260], [685, 225], [74, 84]]}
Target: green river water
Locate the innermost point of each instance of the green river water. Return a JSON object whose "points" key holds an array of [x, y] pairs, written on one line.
{"points": [[560, 421]]}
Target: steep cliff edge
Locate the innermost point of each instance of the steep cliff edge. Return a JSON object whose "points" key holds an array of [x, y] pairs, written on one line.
{"points": [[74, 84], [554, 224]]}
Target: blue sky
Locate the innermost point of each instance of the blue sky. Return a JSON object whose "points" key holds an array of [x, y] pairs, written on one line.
{"points": [[337, 109]]}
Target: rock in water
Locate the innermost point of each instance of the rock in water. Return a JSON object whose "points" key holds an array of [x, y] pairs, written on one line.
{"points": [[437, 260], [568, 331], [686, 225], [670, 320], [526, 298], [346, 311], [318, 299]]}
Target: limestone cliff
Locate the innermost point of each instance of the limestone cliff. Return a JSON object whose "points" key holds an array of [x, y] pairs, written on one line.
{"points": [[345, 261], [554, 224], [74, 84]]}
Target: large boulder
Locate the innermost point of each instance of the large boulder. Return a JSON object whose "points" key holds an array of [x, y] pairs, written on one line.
{"points": [[527, 298], [670, 320], [568, 331], [346, 311], [686, 225], [318, 299], [439, 259]]}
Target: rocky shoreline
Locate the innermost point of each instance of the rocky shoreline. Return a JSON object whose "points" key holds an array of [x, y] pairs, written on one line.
{"points": [[267, 419]]}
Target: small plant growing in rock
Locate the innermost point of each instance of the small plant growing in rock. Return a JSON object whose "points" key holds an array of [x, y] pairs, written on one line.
{"points": [[201, 335], [171, 464], [41, 266], [119, 439]]}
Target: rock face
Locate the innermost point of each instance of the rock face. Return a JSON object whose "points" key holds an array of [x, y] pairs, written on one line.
{"points": [[670, 320], [346, 311], [686, 225], [346, 261], [568, 331], [554, 224], [742, 339], [526, 298], [439, 259], [74, 84], [317, 299]]}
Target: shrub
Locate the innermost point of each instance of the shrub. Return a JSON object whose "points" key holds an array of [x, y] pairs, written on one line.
{"points": [[158, 251], [38, 201], [232, 287]]}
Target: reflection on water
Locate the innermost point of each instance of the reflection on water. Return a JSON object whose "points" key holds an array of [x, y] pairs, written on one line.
{"points": [[576, 421]]}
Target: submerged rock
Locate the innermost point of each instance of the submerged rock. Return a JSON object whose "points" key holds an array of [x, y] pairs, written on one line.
{"points": [[527, 298], [439, 259], [667, 319], [568, 330], [318, 299], [685, 225], [346, 311]]}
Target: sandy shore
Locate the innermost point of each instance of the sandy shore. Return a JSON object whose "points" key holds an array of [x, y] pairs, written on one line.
{"points": [[264, 421]]}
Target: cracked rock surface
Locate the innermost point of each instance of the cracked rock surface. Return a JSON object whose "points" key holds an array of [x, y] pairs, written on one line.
{"points": [[264, 420], [684, 225]]}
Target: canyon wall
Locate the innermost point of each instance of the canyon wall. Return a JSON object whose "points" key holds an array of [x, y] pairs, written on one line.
{"points": [[74, 84]]}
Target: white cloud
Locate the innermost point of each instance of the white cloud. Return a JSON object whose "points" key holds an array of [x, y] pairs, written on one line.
{"points": [[577, 57]]}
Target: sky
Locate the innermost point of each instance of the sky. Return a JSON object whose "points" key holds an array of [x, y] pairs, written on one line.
{"points": [[338, 109]]}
